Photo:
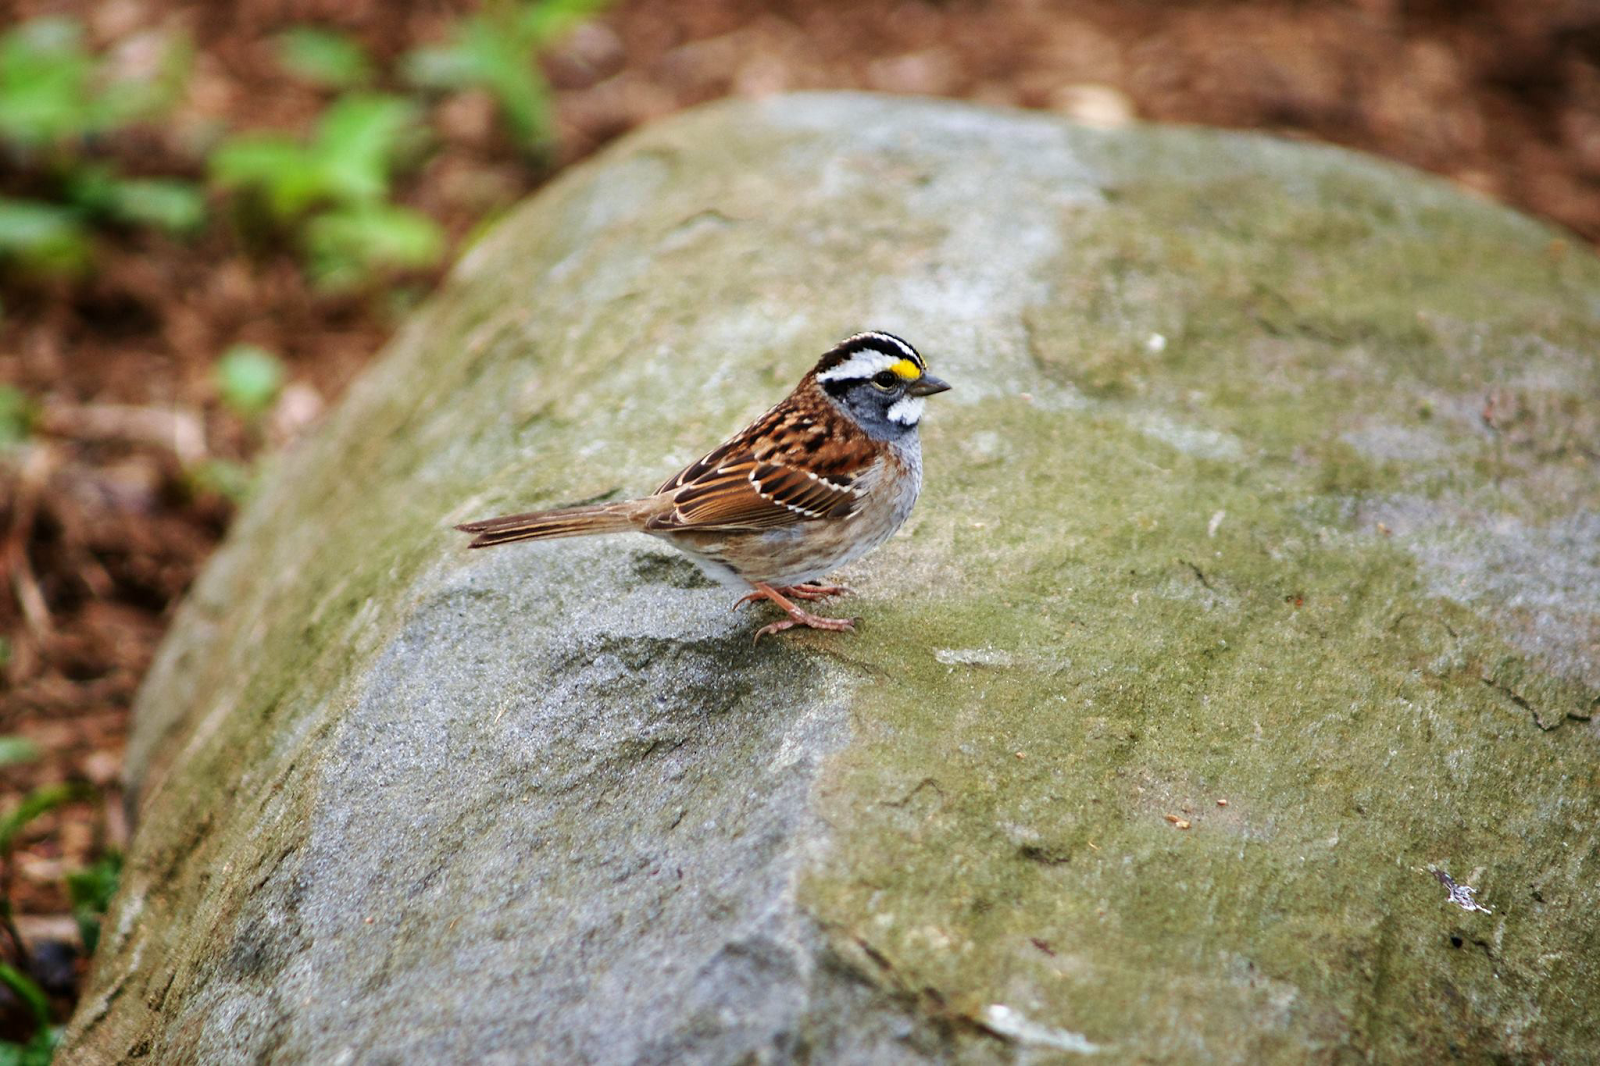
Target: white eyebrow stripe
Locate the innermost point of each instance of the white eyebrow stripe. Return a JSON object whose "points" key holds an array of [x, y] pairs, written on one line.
{"points": [[890, 340], [861, 365], [907, 410]]}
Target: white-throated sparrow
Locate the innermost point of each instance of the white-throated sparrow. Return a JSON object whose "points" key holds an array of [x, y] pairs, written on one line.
{"points": [[820, 480]]}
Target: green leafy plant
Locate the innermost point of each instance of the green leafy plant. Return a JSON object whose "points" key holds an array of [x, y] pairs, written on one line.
{"points": [[41, 1046], [56, 238], [16, 414], [232, 480], [54, 97], [43, 238], [15, 750], [37, 802], [347, 245], [335, 185], [349, 157], [169, 204], [496, 51], [248, 378], [93, 886], [324, 57], [90, 890], [53, 93], [36, 1051], [40, 801]]}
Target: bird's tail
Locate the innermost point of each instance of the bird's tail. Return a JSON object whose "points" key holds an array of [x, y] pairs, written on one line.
{"points": [[618, 517]]}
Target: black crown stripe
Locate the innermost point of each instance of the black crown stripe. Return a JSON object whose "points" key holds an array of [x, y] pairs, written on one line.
{"points": [[875, 341]]}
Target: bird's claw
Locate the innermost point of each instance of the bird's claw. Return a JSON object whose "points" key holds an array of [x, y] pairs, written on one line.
{"points": [[810, 621], [799, 616], [811, 590]]}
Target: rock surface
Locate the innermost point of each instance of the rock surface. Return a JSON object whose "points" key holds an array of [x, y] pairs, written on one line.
{"points": [[1257, 575]]}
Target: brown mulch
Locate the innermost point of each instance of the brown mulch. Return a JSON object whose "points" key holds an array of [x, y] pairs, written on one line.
{"points": [[105, 524]]}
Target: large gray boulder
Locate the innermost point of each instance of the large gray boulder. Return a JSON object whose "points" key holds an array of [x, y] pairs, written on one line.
{"points": [[1255, 585]]}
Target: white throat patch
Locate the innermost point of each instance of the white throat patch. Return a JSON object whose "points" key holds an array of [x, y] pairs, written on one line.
{"points": [[860, 366], [907, 410]]}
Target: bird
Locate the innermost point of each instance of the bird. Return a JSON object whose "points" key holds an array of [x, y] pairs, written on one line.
{"points": [[821, 479]]}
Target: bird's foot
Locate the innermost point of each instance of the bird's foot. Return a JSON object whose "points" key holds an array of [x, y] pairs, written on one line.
{"points": [[811, 590], [816, 590], [798, 616]]}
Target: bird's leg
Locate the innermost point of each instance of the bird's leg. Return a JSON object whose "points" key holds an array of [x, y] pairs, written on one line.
{"points": [[797, 615], [811, 590], [816, 590]]}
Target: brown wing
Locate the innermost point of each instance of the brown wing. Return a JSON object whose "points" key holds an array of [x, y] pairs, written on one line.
{"points": [[784, 468]]}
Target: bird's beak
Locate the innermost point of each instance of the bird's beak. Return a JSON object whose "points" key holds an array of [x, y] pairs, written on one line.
{"points": [[927, 385]]}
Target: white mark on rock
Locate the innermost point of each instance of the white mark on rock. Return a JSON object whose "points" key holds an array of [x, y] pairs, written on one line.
{"points": [[1215, 523], [983, 445], [1155, 344], [974, 657], [1197, 441], [1460, 895], [1400, 443], [1013, 1025]]}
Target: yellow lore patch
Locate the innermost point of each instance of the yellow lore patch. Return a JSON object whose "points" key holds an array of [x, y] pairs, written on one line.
{"points": [[906, 370]]}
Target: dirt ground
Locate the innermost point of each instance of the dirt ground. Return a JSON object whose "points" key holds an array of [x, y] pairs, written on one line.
{"points": [[104, 523]]}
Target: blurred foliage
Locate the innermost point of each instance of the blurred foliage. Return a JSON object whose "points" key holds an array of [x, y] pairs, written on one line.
{"points": [[329, 190], [335, 185], [56, 101], [43, 238], [14, 750], [325, 58], [16, 413], [168, 204], [40, 801], [348, 158], [248, 379], [496, 51], [54, 94], [224, 477], [346, 246], [28, 990], [55, 238], [90, 890], [39, 1048], [36, 1052]]}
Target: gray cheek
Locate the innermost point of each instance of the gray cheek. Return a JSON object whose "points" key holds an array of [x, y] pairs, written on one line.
{"points": [[871, 414]]}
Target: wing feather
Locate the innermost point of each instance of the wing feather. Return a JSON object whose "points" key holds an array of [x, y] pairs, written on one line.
{"points": [[756, 495], [771, 475]]}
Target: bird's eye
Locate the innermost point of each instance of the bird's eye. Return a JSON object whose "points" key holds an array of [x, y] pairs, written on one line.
{"points": [[885, 379]]}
